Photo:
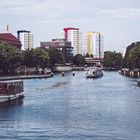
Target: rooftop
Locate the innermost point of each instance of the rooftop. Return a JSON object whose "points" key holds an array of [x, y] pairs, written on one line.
{"points": [[8, 37]]}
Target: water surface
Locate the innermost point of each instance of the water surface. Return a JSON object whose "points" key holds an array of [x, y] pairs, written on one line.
{"points": [[74, 108]]}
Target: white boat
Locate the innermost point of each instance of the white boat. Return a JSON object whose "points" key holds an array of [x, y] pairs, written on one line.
{"points": [[138, 82], [11, 90], [94, 72]]}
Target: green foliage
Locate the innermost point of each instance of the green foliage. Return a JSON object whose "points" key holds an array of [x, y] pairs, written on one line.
{"points": [[79, 60], [132, 56], [28, 58], [56, 57], [87, 55], [9, 59], [42, 57], [112, 59], [91, 55], [35, 58]]}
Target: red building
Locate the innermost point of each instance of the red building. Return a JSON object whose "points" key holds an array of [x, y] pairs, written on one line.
{"points": [[10, 39], [66, 32]]}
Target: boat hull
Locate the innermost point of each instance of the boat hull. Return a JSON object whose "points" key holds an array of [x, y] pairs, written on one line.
{"points": [[94, 76], [7, 98]]}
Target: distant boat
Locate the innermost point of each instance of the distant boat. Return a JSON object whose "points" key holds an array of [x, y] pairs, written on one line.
{"points": [[11, 90], [138, 82], [94, 72]]}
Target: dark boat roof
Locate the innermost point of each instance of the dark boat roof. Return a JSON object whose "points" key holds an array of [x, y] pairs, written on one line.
{"points": [[10, 81]]}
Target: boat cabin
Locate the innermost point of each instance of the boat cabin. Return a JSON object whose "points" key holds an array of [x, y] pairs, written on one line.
{"points": [[11, 87]]}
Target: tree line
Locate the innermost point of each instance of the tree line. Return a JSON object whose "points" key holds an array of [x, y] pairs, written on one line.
{"points": [[11, 60], [112, 59], [132, 56], [131, 59]]}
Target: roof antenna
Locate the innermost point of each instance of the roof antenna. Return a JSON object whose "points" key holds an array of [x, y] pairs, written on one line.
{"points": [[7, 28]]}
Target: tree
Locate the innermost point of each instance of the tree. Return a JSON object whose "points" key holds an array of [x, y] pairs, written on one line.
{"points": [[112, 59], [87, 55], [132, 56], [56, 57], [9, 59], [28, 58], [35, 58], [79, 60], [91, 55], [15, 62], [41, 57]]}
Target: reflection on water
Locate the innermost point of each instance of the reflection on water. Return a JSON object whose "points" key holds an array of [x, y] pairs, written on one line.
{"points": [[17, 102], [73, 107], [56, 85], [60, 84]]}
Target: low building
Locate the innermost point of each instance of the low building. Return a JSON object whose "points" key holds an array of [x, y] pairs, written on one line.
{"points": [[90, 61], [10, 39], [62, 45]]}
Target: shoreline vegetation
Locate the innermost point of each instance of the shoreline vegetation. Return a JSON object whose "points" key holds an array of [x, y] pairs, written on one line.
{"points": [[37, 62], [33, 61]]}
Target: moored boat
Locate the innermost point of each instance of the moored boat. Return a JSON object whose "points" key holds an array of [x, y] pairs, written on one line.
{"points": [[94, 72], [11, 90]]}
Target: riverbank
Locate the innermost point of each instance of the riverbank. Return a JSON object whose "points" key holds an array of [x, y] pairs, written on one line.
{"points": [[130, 73], [24, 77]]}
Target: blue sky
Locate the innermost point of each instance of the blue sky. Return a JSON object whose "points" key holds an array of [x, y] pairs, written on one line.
{"points": [[117, 20]]}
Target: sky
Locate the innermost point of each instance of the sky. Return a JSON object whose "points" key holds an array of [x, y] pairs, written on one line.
{"points": [[117, 20]]}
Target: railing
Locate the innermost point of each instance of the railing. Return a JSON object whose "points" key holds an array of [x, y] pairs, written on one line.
{"points": [[11, 90]]}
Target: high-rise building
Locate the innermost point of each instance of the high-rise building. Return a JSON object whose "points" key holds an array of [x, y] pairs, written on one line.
{"points": [[74, 35], [26, 38], [94, 44]]}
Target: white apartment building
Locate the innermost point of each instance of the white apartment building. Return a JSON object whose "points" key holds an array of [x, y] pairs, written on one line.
{"points": [[27, 40], [75, 37]]}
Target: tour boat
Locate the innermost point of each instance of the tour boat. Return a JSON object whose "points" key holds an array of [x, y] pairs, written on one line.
{"points": [[138, 82], [11, 90], [94, 72]]}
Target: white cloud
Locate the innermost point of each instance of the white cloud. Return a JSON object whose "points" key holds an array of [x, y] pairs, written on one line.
{"points": [[48, 7], [47, 17], [67, 9], [124, 13]]}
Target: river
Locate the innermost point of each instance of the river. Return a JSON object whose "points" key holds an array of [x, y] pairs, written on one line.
{"points": [[74, 108]]}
